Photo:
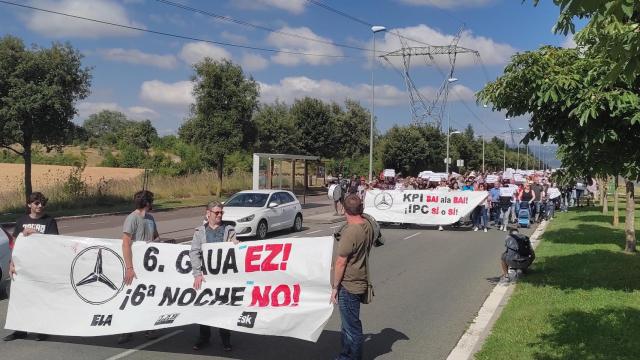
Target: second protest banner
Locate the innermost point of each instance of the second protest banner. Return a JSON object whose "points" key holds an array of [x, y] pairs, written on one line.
{"points": [[424, 207], [69, 285]]}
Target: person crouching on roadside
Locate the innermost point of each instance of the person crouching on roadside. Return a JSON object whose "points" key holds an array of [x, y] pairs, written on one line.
{"points": [[35, 221], [213, 231]]}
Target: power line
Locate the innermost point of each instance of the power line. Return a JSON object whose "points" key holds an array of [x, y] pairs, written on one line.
{"points": [[360, 21], [184, 37], [256, 26]]}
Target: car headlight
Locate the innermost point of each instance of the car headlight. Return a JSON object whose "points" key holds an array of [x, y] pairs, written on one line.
{"points": [[247, 218]]}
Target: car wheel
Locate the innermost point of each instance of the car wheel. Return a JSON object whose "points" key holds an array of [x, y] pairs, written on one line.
{"points": [[261, 231], [297, 223]]}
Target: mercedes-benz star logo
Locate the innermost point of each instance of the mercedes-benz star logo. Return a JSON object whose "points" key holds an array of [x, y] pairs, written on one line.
{"points": [[383, 201], [97, 285]]}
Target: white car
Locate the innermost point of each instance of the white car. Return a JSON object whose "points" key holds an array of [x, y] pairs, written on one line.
{"points": [[256, 213], [5, 257]]}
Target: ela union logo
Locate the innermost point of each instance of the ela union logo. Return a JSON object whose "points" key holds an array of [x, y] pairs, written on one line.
{"points": [[383, 201], [97, 274]]}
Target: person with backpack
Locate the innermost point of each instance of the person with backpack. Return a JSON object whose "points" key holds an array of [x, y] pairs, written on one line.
{"points": [[518, 254]]}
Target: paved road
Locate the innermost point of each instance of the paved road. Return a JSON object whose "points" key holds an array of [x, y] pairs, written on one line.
{"points": [[429, 286]]}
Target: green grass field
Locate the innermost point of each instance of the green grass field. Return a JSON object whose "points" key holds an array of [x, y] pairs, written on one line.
{"points": [[581, 300]]}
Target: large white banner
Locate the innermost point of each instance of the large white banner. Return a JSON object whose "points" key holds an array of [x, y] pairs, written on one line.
{"points": [[424, 207], [74, 286]]}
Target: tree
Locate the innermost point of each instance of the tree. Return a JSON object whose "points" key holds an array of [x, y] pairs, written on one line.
{"points": [[317, 126], [611, 33], [405, 149], [570, 100], [38, 90], [275, 130], [140, 134], [106, 125], [352, 130], [220, 120]]}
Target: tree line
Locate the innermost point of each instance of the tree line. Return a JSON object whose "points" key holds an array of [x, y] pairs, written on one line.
{"points": [[40, 86]]}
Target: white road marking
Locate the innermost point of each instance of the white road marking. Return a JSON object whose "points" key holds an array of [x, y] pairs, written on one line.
{"points": [[333, 227], [410, 236], [313, 232], [97, 222], [142, 346]]}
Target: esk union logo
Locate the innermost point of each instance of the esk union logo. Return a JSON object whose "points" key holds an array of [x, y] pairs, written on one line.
{"points": [[97, 274]]}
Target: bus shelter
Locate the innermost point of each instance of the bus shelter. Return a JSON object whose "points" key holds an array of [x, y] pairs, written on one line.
{"points": [[280, 171]]}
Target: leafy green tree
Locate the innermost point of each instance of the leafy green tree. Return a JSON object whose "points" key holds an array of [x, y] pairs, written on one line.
{"points": [[405, 149], [221, 117], [570, 100], [317, 125], [141, 134], [38, 90], [106, 125], [275, 130], [352, 128]]}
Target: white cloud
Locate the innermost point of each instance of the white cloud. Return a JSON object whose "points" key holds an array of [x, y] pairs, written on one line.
{"points": [[134, 56], [491, 52], [195, 52], [253, 62], [569, 42], [293, 44], [175, 94], [87, 108], [54, 25], [292, 6], [234, 38], [448, 4], [291, 88]]}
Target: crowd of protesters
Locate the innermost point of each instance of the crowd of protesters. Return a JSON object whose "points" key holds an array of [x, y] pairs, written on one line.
{"points": [[507, 193]]}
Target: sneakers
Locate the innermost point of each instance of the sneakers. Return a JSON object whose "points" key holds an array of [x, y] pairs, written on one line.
{"points": [[440, 228], [504, 228], [485, 230], [125, 338], [201, 343], [227, 347], [15, 335], [475, 228], [41, 337], [504, 280]]}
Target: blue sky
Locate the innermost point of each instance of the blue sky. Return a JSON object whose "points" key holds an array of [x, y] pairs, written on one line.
{"points": [[147, 75]]}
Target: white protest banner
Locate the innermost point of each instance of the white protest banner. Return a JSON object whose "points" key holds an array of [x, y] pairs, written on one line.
{"points": [[491, 179], [424, 207], [75, 286], [389, 173]]}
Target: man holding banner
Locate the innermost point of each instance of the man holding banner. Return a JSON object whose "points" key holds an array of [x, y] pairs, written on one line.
{"points": [[138, 226], [351, 276], [212, 232]]}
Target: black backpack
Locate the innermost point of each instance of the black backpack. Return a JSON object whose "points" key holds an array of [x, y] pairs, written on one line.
{"points": [[524, 249]]}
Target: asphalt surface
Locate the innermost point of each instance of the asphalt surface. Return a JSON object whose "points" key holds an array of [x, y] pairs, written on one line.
{"points": [[429, 285]]}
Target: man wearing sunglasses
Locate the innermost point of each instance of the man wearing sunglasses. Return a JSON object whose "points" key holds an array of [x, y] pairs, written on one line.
{"points": [[212, 231], [35, 221]]}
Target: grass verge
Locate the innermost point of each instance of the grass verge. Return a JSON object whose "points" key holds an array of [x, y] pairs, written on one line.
{"points": [[581, 300]]}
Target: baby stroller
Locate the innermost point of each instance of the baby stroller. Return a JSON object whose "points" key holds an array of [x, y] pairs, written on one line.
{"points": [[524, 214]]}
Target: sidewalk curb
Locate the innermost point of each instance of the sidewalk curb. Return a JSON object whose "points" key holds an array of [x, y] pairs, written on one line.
{"points": [[477, 332]]}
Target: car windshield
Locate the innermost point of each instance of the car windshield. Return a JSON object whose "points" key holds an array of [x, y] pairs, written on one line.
{"points": [[248, 200]]}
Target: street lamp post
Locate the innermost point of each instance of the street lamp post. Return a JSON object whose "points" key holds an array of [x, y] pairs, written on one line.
{"points": [[447, 160], [483, 154], [374, 30]]}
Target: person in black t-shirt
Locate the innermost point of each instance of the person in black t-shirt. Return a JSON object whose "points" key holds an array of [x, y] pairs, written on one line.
{"points": [[35, 221]]}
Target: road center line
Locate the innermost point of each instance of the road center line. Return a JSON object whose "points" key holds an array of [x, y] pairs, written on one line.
{"points": [[410, 236], [145, 345], [313, 232]]}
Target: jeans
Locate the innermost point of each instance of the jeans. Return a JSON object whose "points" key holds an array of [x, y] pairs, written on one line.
{"points": [[536, 210], [504, 214], [481, 217], [495, 213], [352, 337]]}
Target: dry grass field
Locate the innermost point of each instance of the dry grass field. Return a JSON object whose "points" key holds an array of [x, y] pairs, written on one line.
{"points": [[47, 176]]}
